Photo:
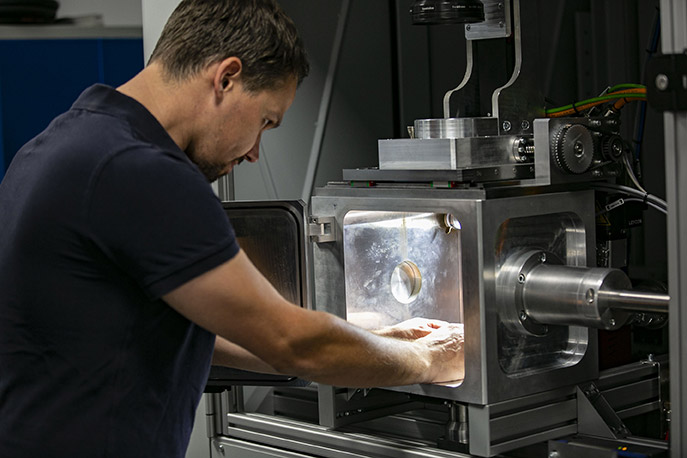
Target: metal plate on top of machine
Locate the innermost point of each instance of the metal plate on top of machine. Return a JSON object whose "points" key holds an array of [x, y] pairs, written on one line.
{"points": [[272, 234], [475, 175]]}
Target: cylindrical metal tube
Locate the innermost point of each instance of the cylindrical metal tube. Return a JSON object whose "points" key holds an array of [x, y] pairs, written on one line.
{"points": [[637, 301], [534, 289], [555, 294]]}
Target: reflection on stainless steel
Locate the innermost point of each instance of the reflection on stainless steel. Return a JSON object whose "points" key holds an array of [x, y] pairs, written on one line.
{"points": [[400, 265], [406, 282], [527, 346]]}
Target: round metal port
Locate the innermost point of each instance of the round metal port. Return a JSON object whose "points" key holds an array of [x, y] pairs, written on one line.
{"points": [[406, 282]]}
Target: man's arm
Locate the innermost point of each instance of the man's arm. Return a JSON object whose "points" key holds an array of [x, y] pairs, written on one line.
{"points": [[236, 302], [229, 354]]}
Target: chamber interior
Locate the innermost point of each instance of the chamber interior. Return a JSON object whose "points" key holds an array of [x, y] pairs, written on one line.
{"points": [[402, 265]]}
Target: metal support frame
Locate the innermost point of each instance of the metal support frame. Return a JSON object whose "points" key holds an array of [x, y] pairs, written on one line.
{"points": [[674, 41]]}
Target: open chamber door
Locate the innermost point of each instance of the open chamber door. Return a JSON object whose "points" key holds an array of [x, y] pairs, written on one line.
{"points": [[272, 234]]}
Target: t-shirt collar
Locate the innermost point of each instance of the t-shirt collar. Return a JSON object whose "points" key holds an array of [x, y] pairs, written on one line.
{"points": [[105, 99]]}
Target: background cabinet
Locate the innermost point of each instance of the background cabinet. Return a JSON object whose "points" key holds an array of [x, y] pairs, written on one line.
{"points": [[44, 69]]}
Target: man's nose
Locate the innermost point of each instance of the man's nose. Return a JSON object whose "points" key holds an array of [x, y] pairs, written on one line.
{"points": [[254, 153]]}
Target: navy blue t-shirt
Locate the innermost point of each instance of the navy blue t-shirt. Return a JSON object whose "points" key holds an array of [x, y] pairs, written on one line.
{"points": [[101, 215]]}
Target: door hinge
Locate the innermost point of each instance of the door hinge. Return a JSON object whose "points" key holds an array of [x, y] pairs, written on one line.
{"points": [[322, 229]]}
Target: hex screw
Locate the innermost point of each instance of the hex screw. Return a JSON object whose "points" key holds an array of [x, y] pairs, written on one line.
{"points": [[662, 82], [523, 315], [542, 257], [521, 278], [507, 126], [525, 125]]}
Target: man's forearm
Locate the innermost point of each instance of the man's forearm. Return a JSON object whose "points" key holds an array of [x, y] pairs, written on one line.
{"points": [[231, 355]]}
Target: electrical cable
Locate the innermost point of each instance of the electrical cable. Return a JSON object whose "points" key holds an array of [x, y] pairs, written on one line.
{"points": [[631, 174], [631, 199], [623, 86], [575, 108], [601, 98], [652, 205], [644, 196]]}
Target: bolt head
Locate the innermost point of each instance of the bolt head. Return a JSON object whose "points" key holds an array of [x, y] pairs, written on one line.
{"points": [[662, 82]]}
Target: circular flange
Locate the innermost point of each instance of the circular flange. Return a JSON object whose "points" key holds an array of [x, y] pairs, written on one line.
{"points": [[510, 282]]}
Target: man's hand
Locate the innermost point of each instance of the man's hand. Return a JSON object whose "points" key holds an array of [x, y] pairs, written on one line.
{"points": [[412, 329], [442, 340], [447, 353]]}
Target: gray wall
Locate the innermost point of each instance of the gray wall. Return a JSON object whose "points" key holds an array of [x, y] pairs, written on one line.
{"points": [[359, 112], [119, 13]]}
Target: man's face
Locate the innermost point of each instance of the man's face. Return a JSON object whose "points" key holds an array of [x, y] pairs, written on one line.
{"points": [[233, 132]]}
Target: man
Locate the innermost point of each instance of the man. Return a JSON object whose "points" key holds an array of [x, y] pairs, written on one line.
{"points": [[118, 265]]}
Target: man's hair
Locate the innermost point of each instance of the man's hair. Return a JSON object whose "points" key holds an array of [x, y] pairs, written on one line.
{"points": [[202, 32]]}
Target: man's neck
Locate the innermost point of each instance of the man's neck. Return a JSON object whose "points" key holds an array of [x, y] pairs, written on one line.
{"points": [[171, 103]]}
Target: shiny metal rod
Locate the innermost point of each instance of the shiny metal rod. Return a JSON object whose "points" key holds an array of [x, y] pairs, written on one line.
{"points": [[636, 301]]}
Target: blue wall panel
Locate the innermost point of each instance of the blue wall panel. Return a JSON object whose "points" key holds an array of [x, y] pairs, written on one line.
{"points": [[39, 79]]}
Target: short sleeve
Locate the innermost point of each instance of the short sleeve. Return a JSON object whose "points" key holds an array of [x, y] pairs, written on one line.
{"points": [[153, 215]]}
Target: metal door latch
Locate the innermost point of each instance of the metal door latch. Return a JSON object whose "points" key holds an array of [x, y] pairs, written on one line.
{"points": [[322, 229]]}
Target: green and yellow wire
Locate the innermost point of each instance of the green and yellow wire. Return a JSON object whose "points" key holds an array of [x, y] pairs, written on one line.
{"points": [[620, 93]]}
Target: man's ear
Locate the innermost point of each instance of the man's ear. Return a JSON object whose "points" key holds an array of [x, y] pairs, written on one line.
{"points": [[227, 74]]}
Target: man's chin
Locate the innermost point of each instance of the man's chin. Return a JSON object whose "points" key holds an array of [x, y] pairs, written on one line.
{"points": [[215, 173]]}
